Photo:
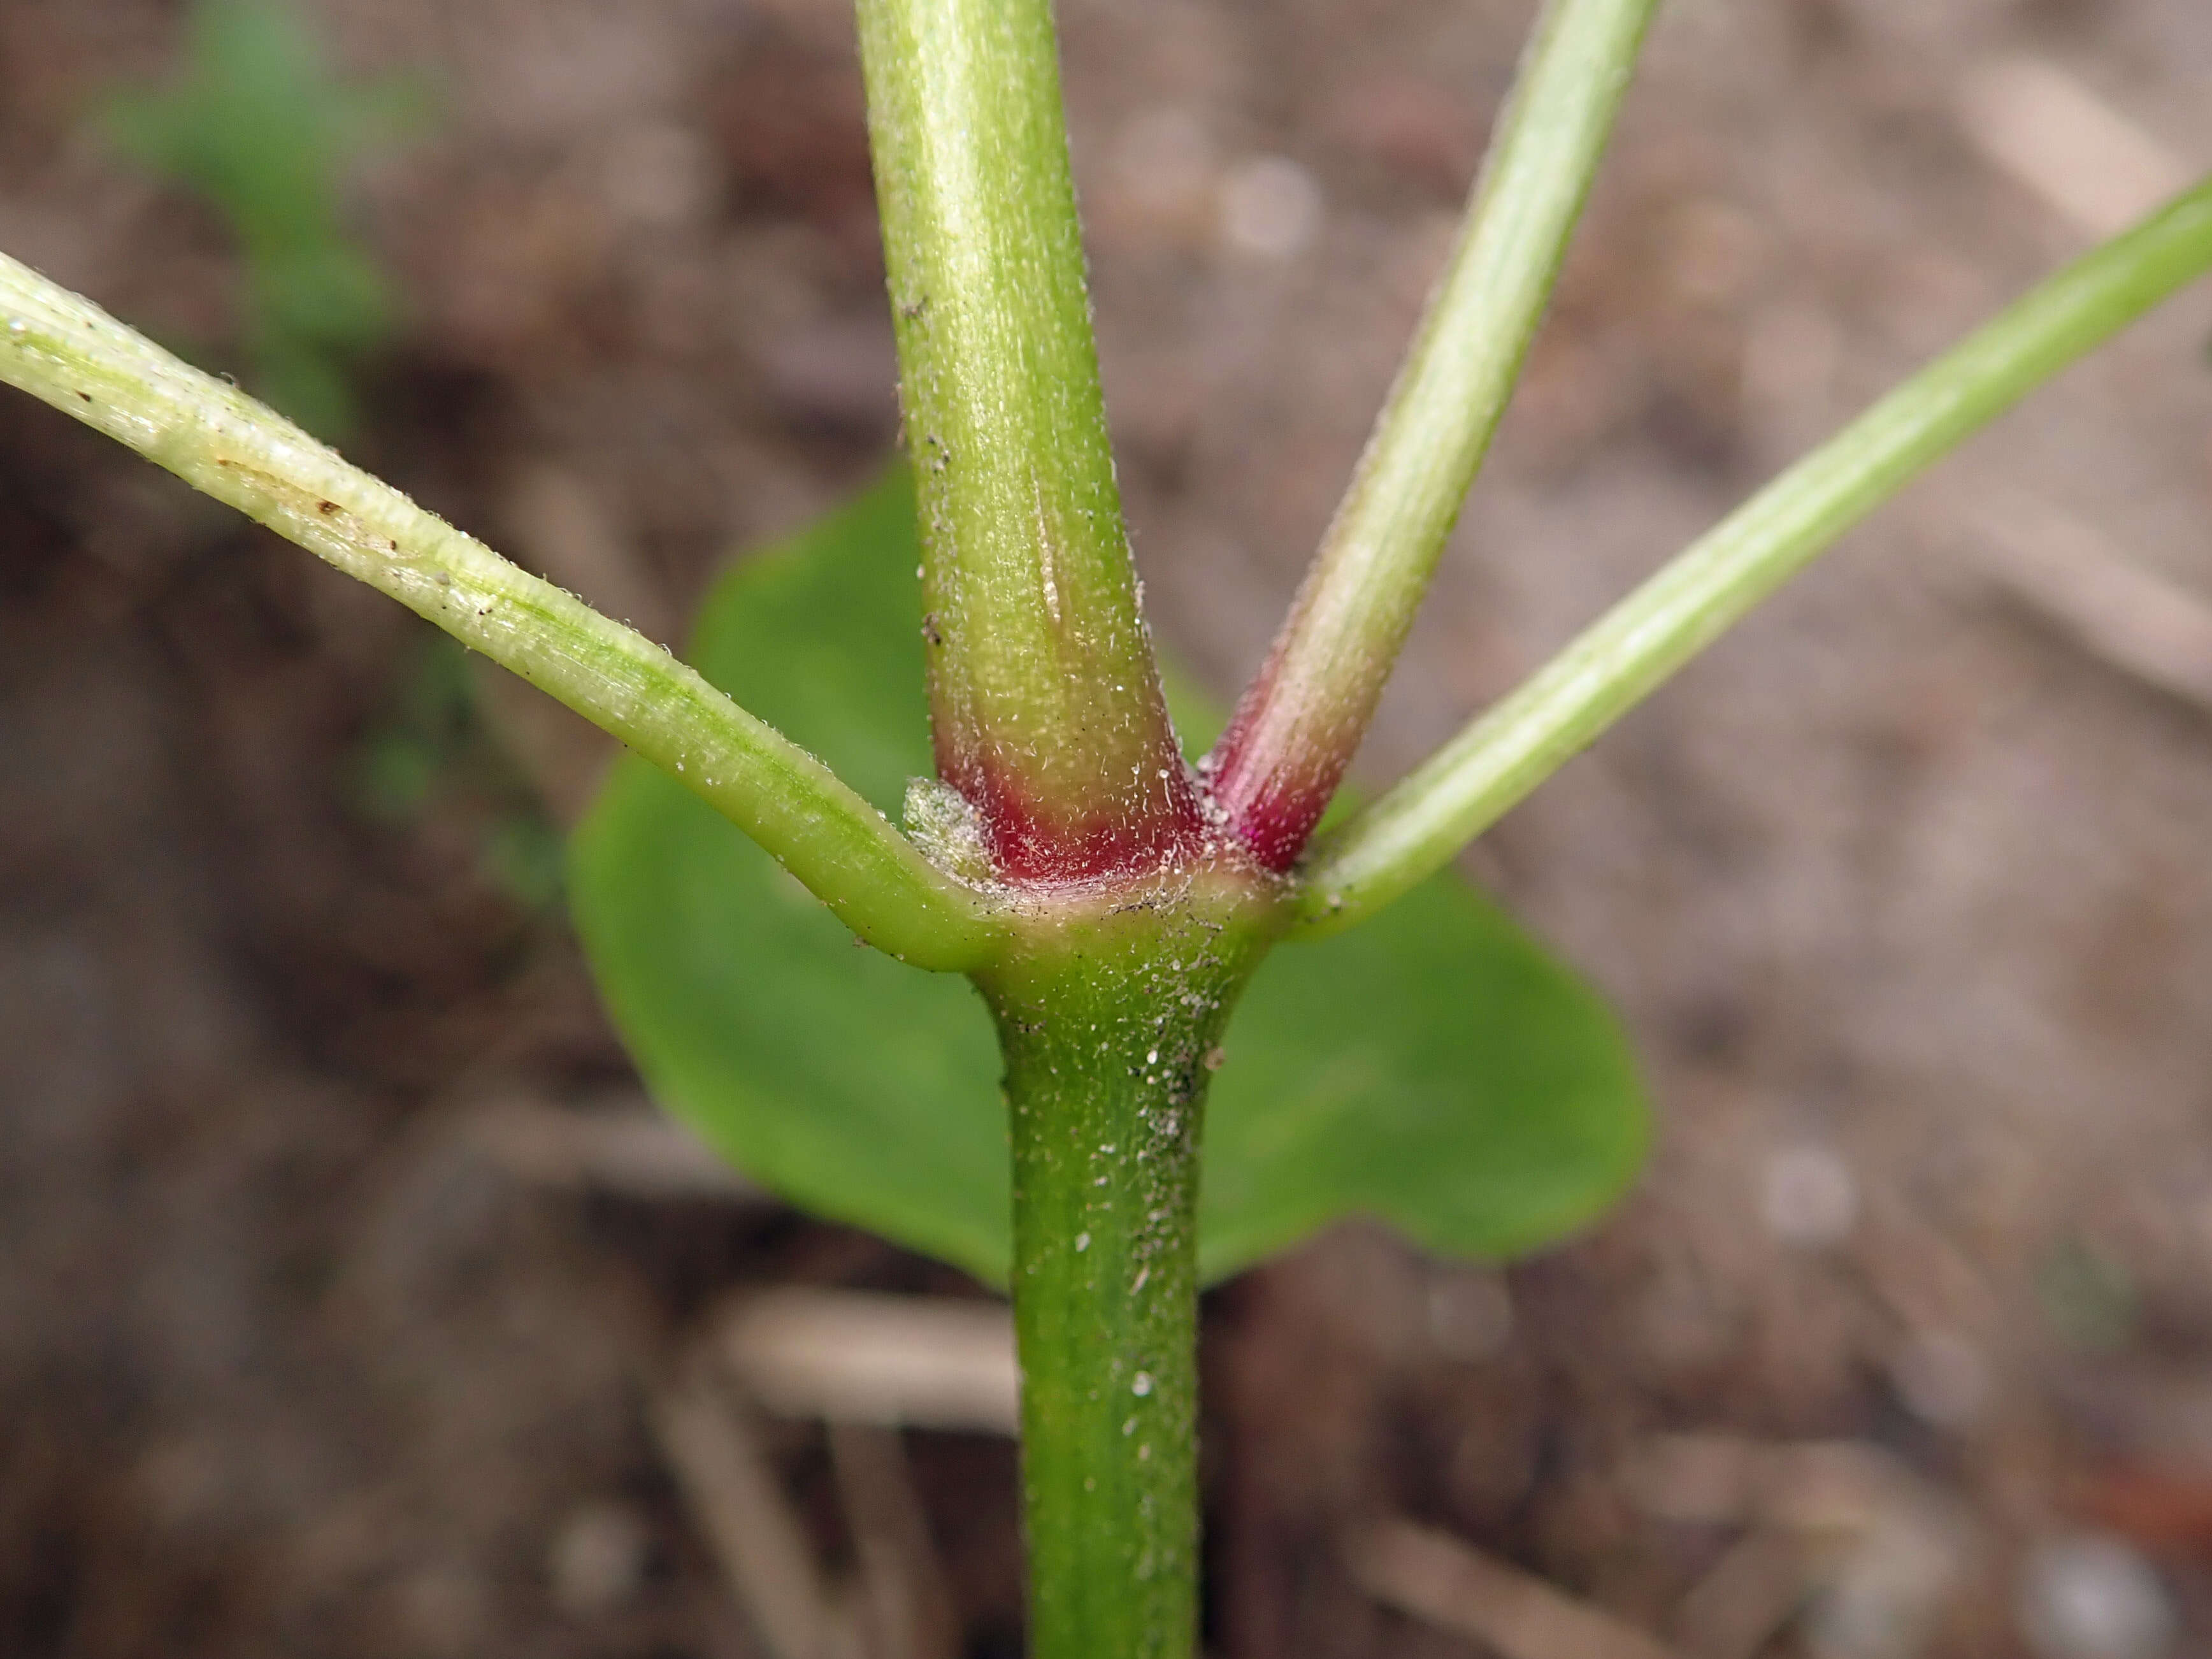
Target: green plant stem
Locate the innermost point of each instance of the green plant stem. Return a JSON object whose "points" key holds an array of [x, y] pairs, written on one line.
{"points": [[1045, 701], [65, 351], [1108, 1028], [1504, 753], [1306, 711]]}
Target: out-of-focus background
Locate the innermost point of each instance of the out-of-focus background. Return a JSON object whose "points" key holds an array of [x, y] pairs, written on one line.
{"points": [[350, 1304]]}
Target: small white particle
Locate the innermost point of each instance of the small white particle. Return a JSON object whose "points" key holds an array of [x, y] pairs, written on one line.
{"points": [[1808, 1197], [1142, 1385], [1270, 206], [2089, 1595], [599, 1559], [1082, 1242], [1942, 1378]]}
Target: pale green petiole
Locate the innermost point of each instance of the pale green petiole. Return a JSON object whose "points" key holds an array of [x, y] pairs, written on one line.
{"points": [[65, 351], [1307, 711], [1496, 760]]}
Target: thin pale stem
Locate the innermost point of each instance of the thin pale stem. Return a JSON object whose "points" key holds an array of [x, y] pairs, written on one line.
{"points": [[1501, 755], [64, 349], [1298, 726], [1044, 698]]}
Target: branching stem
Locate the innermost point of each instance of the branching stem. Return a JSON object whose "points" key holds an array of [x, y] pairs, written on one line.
{"points": [[1501, 755], [66, 351]]}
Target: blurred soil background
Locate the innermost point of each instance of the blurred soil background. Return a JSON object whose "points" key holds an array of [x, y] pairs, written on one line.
{"points": [[345, 1290]]}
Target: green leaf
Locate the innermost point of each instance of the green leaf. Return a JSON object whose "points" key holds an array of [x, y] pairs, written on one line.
{"points": [[859, 1088], [1434, 1068]]}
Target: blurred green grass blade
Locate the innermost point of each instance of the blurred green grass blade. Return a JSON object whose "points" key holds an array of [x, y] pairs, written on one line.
{"points": [[254, 123], [1436, 1069]]}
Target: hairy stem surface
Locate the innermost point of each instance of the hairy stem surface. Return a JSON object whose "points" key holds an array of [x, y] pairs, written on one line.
{"points": [[66, 351], [1110, 1032], [1496, 759], [1296, 729], [1045, 702]]}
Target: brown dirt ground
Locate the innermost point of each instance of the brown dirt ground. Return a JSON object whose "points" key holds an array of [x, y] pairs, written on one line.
{"points": [[1902, 896]]}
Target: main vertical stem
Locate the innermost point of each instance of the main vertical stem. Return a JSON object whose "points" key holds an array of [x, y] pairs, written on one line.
{"points": [[1109, 1039], [1105, 1305], [1044, 702]]}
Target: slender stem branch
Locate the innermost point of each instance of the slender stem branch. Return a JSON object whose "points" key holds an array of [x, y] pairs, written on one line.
{"points": [[1504, 753], [1044, 697], [62, 349], [1298, 726]]}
